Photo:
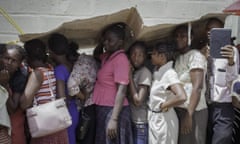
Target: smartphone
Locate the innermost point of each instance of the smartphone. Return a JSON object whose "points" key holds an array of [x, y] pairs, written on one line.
{"points": [[219, 37]]}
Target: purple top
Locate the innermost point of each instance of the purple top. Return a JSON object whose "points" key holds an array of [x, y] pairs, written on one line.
{"points": [[61, 73]]}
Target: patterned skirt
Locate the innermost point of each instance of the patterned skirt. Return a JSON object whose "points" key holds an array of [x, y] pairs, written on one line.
{"points": [[57, 138], [4, 137], [103, 114]]}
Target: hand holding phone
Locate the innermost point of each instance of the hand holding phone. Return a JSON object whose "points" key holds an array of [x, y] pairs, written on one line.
{"points": [[228, 52], [219, 38]]}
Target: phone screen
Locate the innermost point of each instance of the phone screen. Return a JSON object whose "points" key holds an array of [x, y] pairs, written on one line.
{"points": [[219, 37]]}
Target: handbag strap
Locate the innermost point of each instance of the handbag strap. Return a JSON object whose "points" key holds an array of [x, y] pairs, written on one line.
{"points": [[50, 86]]}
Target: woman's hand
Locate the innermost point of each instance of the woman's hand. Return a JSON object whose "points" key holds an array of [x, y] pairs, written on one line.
{"points": [[112, 128], [81, 96], [228, 52], [186, 124]]}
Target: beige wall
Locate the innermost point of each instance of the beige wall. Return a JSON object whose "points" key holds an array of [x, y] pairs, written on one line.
{"points": [[43, 15]]}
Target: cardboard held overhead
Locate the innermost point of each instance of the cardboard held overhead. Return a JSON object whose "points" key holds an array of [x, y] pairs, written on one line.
{"points": [[86, 31], [163, 32]]}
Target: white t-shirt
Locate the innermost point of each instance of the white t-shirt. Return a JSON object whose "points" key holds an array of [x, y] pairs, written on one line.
{"points": [[193, 59]]}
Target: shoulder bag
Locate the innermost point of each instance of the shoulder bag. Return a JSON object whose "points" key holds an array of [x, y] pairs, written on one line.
{"points": [[48, 118]]}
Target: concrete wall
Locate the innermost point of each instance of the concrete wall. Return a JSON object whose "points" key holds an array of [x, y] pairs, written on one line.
{"points": [[43, 15]]}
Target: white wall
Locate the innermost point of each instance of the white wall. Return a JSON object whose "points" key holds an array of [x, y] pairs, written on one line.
{"points": [[43, 15]]}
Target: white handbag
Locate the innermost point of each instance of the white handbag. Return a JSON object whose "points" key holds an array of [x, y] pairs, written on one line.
{"points": [[48, 118]]}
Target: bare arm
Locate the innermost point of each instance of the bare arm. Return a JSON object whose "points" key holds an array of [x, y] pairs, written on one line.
{"points": [[33, 85], [121, 93], [138, 96], [197, 76], [13, 102], [197, 84], [180, 98], [60, 86], [112, 124]]}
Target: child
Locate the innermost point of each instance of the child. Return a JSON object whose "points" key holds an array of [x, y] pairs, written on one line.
{"points": [[166, 92], [140, 81]]}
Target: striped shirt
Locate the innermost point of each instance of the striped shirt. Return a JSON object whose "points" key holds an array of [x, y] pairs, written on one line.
{"points": [[47, 91]]}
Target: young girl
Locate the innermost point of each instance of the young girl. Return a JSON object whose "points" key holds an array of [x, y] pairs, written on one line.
{"points": [[140, 81], [166, 92]]}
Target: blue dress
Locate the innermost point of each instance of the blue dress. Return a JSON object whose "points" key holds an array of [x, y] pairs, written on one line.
{"points": [[61, 73]]}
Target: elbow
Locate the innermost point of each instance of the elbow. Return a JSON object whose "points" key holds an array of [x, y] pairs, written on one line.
{"points": [[182, 98]]}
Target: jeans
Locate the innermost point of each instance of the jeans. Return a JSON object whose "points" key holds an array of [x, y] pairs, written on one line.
{"points": [[140, 133], [220, 125]]}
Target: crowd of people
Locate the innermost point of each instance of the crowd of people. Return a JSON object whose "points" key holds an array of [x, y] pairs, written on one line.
{"points": [[186, 98]]}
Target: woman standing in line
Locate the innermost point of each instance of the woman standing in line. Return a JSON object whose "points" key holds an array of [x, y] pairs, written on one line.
{"points": [[18, 78], [38, 87], [166, 92], [81, 84], [191, 67], [113, 125], [59, 51]]}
